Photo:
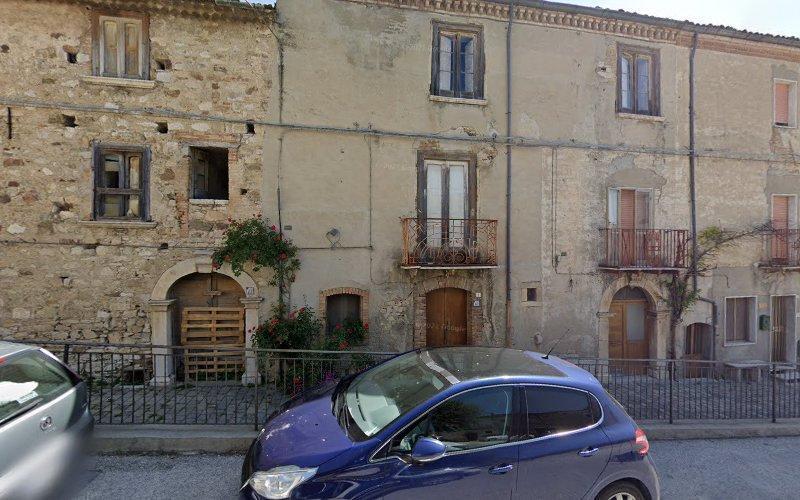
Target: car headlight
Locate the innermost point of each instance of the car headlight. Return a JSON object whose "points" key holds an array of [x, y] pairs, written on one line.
{"points": [[279, 482]]}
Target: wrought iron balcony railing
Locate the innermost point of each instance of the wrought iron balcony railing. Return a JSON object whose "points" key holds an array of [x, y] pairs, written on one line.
{"points": [[781, 248], [449, 242], [653, 249]]}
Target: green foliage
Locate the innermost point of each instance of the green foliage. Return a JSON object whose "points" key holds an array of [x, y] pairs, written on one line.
{"points": [[299, 329], [252, 240], [349, 333]]}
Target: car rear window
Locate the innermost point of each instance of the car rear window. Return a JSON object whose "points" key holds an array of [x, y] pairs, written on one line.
{"points": [[553, 410], [30, 379]]}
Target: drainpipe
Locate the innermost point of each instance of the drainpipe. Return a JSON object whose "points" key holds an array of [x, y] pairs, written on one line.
{"points": [[692, 158], [693, 198], [509, 323]]}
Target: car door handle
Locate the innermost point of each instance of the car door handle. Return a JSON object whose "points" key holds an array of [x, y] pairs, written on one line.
{"points": [[501, 469], [588, 452]]}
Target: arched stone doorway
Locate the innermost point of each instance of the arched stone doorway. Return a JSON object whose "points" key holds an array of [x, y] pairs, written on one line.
{"points": [[165, 318], [447, 317], [656, 318]]}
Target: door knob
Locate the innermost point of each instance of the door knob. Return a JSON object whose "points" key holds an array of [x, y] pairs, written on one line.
{"points": [[501, 469], [588, 452]]}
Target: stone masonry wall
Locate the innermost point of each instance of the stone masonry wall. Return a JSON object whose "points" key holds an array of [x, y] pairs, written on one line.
{"points": [[63, 275]]}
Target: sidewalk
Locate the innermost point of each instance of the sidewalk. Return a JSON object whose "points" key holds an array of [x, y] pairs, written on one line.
{"points": [[132, 439]]}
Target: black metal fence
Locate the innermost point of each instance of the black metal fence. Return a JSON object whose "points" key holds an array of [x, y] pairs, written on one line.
{"points": [[179, 385]]}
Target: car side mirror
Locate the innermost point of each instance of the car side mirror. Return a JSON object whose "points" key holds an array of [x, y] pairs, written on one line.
{"points": [[427, 450]]}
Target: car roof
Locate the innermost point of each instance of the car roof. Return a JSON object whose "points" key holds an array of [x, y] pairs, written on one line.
{"points": [[8, 348], [470, 364]]}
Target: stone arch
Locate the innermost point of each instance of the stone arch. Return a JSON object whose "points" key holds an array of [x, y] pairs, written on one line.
{"points": [[658, 311], [475, 321], [199, 265], [160, 312]]}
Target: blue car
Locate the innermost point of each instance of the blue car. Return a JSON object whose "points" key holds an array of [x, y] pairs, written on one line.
{"points": [[454, 423]]}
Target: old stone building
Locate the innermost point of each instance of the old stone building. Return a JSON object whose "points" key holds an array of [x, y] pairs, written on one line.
{"points": [[454, 172], [127, 143], [404, 106]]}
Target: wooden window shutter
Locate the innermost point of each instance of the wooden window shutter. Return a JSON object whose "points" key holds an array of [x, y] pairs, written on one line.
{"points": [[627, 209], [782, 103], [780, 212], [642, 209]]}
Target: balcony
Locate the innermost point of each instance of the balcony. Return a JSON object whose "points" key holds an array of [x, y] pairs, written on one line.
{"points": [[449, 243], [644, 249], [781, 249]]}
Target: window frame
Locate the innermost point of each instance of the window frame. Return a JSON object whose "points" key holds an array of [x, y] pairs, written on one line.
{"points": [[516, 424], [98, 61], [792, 111], [440, 27], [753, 322], [208, 149], [524, 412], [650, 209], [636, 52], [423, 158], [99, 149]]}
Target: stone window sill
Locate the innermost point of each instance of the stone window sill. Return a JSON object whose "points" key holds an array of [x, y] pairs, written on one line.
{"points": [[644, 118], [199, 201], [526, 303], [119, 82], [738, 344], [118, 224], [784, 127], [458, 100]]}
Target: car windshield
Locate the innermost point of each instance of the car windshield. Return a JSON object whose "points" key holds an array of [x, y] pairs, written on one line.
{"points": [[29, 379], [378, 396]]}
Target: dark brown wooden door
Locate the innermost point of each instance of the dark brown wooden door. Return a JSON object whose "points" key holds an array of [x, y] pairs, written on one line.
{"points": [[446, 316]]}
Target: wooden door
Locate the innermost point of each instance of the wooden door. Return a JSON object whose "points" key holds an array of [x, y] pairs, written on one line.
{"points": [[629, 333], [697, 347], [627, 226], [446, 317], [780, 224], [779, 327]]}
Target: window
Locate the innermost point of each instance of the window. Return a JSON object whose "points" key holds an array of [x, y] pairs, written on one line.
{"points": [[553, 410], [457, 69], [629, 208], [120, 46], [120, 182], [740, 319], [785, 95], [446, 199], [531, 294], [31, 379], [468, 421], [637, 81], [340, 308], [209, 167]]}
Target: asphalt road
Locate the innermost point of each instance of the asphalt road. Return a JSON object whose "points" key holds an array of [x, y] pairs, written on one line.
{"points": [[721, 469]]}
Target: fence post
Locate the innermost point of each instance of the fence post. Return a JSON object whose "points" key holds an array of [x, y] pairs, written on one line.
{"points": [[671, 370], [65, 356], [772, 373], [255, 399]]}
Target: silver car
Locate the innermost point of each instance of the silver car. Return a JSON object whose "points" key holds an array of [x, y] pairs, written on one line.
{"points": [[44, 421]]}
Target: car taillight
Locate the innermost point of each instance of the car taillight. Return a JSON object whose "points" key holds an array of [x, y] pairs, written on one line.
{"points": [[641, 445]]}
